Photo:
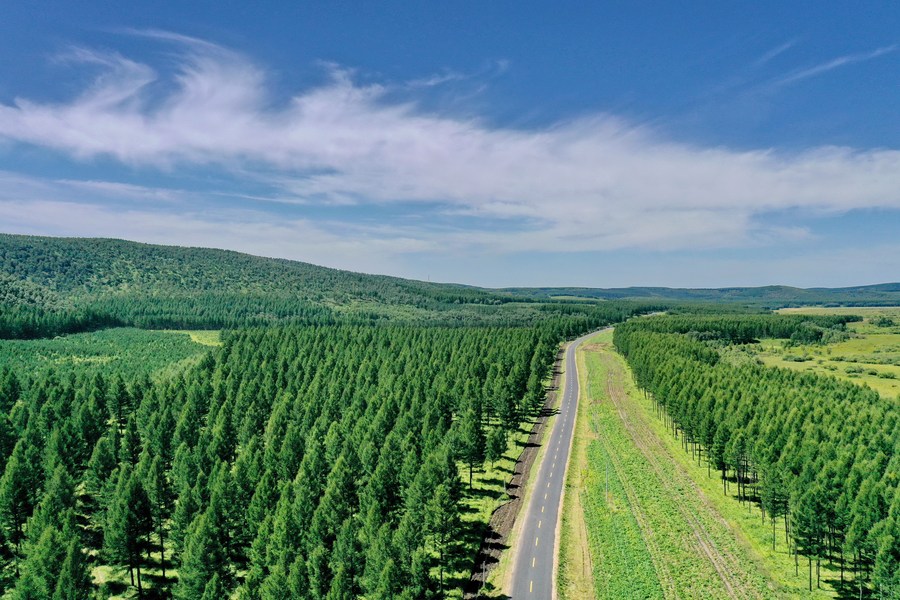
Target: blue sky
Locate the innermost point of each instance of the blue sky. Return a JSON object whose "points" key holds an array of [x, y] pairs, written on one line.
{"points": [[491, 143]]}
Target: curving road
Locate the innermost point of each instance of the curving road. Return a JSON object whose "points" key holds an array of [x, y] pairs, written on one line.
{"points": [[533, 573]]}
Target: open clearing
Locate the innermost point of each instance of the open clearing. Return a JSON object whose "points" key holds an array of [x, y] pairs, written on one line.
{"points": [[656, 525], [871, 356]]}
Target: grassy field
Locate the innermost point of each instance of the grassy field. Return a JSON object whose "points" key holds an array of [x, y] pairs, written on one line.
{"points": [[660, 527], [603, 554], [871, 356]]}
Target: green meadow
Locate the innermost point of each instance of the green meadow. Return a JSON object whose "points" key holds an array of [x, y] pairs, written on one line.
{"points": [[871, 356]]}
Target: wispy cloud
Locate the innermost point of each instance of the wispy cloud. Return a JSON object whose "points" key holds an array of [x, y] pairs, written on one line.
{"points": [[593, 183], [830, 65], [773, 53]]}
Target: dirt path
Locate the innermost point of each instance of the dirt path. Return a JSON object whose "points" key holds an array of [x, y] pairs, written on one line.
{"points": [[651, 447]]}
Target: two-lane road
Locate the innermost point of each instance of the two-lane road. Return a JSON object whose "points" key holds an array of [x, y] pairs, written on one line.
{"points": [[533, 571]]}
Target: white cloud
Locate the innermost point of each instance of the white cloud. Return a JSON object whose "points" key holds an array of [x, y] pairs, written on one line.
{"points": [[595, 183]]}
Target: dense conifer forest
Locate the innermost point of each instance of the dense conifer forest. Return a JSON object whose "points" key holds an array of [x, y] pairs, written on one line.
{"points": [[325, 448], [322, 451], [818, 456], [314, 462]]}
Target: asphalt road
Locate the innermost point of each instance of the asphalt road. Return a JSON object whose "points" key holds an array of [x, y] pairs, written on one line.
{"points": [[533, 571]]}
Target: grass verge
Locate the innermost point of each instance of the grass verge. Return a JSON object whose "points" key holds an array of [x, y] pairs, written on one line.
{"points": [[574, 578], [653, 530]]}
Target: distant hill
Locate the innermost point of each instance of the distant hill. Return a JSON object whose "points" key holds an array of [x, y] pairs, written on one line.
{"points": [[88, 267], [50, 286], [770, 296]]}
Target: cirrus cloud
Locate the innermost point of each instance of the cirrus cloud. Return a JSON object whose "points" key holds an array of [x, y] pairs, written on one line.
{"points": [[593, 183]]}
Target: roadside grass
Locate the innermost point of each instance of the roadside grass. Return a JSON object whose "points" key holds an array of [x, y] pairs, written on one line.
{"points": [[656, 534], [575, 574], [609, 558], [742, 523]]}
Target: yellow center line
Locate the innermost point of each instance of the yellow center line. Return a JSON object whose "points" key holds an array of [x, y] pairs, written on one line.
{"points": [[531, 586]]}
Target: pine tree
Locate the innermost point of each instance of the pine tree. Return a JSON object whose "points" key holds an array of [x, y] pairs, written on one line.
{"points": [[131, 443], [160, 494], [205, 554], [40, 570], [10, 390], [442, 523], [471, 441], [496, 445], [202, 553], [100, 466], [58, 499], [17, 497], [128, 524], [74, 581], [346, 561], [91, 423], [214, 590]]}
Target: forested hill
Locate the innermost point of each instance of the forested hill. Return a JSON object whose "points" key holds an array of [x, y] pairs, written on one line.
{"points": [[45, 269], [771, 296], [54, 286]]}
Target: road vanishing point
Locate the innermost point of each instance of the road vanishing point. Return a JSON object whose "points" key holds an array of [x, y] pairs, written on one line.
{"points": [[533, 573]]}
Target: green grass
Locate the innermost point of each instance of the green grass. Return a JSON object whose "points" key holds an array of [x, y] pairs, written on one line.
{"points": [[751, 536], [871, 357], [575, 575], [122, 351], [204, 337], [650, 534]]}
